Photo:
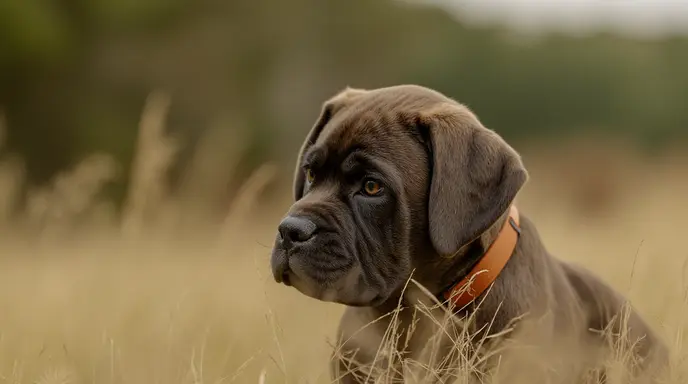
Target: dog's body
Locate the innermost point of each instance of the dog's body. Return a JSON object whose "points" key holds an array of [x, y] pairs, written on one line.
{"points": [[403, 182], [566, 302]]}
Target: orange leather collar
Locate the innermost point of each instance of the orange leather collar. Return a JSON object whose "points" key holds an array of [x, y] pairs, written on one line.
{"points": [[489, 266]]}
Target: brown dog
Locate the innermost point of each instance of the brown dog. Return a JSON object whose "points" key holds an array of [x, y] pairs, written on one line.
{"points": [[402, 181]]}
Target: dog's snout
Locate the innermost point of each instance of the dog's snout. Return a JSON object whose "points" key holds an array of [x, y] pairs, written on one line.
{"points": [[294, 229]]}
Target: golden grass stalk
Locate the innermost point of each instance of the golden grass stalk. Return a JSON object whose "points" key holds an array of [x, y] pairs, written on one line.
{"points": [[10, 179], [71, 196], [246, 199], [155, 152], [206, 179]]}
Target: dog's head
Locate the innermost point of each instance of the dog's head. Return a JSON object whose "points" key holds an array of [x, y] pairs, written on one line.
{"points": [[385, 179]]}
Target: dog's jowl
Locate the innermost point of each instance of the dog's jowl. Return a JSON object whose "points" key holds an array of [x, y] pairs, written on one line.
{"points": [[403, 182]]}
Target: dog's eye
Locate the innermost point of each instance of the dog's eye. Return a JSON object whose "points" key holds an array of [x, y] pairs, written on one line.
{"points": [[371, 187], [310, 176]]}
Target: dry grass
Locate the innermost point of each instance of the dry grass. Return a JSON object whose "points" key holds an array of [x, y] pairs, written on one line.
{"points": [[166, 297]]}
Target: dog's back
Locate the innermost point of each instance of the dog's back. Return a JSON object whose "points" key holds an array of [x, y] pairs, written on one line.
{"points": [[608, 312]]}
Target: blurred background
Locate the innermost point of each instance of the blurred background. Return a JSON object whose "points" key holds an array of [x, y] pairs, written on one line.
{"points": [[167, 131], [75, 74]]}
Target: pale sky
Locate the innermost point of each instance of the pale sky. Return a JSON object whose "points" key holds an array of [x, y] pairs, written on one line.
{"points": [[642, 18]]}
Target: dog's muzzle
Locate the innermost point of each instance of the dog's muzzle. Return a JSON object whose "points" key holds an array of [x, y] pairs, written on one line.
{"points": [[292, 232]]}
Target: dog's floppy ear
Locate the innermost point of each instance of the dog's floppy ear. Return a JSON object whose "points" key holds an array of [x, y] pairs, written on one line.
{"points": [[475, 176], [329, 109]]}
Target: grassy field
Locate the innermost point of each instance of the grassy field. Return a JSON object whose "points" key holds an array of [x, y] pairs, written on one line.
{"points": [[168, 298]]}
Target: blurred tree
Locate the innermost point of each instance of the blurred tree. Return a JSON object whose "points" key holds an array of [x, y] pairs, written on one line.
{"points": [[74, 74]]}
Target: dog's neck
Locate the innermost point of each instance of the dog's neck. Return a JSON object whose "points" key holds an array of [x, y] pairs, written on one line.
{"points": [[492, 250], [437, 273]]}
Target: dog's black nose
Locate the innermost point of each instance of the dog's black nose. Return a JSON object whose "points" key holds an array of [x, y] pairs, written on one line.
{"points": [[294, 229]]}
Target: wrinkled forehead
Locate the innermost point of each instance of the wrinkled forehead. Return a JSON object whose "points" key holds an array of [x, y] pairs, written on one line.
{"points": [[386, 135], [382, 122]]}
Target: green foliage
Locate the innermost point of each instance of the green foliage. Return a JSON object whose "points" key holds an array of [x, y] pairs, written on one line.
{"points": [[74, 73]]}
